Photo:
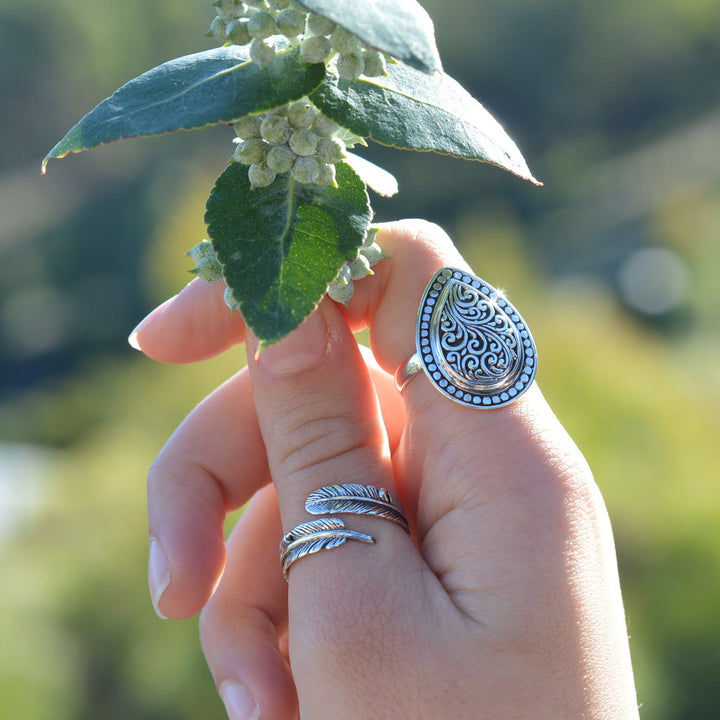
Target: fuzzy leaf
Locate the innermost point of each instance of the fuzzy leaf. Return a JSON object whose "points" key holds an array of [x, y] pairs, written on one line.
{"points": [[207, 88], [411, 110], [400, 28], [375, 177], [281, 246]]}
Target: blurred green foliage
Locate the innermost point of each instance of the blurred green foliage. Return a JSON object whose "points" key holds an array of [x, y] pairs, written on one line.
{"points": [[617, 109]]}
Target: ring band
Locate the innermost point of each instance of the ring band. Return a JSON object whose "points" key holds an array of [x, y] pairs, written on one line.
{"points": [[357, 500], [314, 536], [327, 533], [471, 342], [407, 370]]}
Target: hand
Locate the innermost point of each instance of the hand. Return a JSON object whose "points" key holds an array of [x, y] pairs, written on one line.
{"points": [[504, 603]]}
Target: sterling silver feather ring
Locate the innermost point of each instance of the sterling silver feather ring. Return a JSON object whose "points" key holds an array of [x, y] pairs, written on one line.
{"points": [[314, 536], [357, 499], [326, 533]]}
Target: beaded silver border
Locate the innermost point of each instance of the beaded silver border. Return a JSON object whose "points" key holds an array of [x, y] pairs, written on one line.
{"points": [[507, 390]]}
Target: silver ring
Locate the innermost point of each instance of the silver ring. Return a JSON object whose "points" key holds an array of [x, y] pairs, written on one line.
{"points": [[314, 536], [471, 343], [357, 500]]}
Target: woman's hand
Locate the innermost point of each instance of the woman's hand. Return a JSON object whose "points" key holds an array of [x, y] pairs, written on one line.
{"points": [[504, 602]]}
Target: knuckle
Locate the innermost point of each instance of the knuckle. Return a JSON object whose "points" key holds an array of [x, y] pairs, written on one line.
{"points": [[309, 442]]}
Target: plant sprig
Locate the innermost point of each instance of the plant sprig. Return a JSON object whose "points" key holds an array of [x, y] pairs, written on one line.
{"points": [[289, 219]]}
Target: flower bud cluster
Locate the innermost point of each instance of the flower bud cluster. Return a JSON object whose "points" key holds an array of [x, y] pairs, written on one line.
{"points": [[324, 42], [256, 23], [295, 138], [342, 287], [260, 23], [207, 266]]}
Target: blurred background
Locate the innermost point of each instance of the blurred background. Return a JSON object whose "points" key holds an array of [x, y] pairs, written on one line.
{"points": [[615, 262]]}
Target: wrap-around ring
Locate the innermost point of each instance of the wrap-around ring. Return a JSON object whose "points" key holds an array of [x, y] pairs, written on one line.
{"points": [[471, 342], [314, 536], [324, 534], [357, 500]]}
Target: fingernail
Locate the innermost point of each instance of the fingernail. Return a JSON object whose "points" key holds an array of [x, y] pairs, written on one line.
{"points": [[300, 350], [158, 574], [133, 337], [239, 703]]}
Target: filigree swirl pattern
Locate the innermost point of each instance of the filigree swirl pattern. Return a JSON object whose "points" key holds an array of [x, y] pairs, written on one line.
{"points": [[472, 343], [478, 342]]}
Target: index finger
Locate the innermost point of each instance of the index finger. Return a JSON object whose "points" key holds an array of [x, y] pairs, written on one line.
{"points": [[196, 324]]}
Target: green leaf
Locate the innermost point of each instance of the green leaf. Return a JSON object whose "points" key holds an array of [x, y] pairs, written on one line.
{"points": [[400, 28], [207, 88], [375, 177], [414, 111], [281, 246]]}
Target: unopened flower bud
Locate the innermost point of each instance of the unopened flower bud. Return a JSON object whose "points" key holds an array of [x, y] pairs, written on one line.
{"points": [[370, 236], [343, 41], [341, 288], [290, 23], [237, 31], [230, 300], [341, 293], [323, 126], [225, 8], [315, 49], [344, 277], [209, 269], [262, 25], [360, 268], [330, 150], [260, 176], [350, 66], [262, 52], [203, 249], [319, 24], [217, 29], [275, 129], [241, 9], [280, 158], [251, 151], [303, 142], [301, 115], [373, 64], [327, 175], [373, 253], [247, 127], [306, 170]]}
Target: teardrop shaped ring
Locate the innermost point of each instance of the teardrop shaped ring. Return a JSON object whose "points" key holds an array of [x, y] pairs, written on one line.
{"points": [[471, 342]]}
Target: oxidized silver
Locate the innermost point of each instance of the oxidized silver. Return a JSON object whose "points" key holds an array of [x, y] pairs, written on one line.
{"points": [[311, 537], [357, 500], [471, 342]]}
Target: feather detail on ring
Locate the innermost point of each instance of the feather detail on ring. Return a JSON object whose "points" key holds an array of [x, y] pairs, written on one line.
{"points": [[316, 535], [358, 500]]}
